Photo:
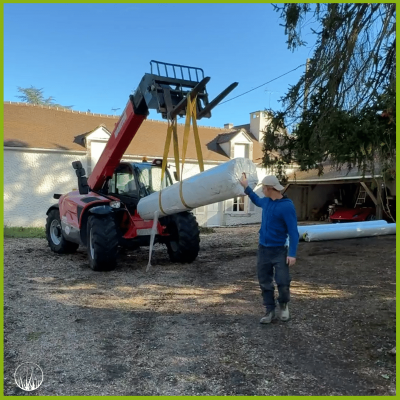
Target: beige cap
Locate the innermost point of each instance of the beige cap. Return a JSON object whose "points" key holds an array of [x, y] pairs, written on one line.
{"points": [[272, 180]]}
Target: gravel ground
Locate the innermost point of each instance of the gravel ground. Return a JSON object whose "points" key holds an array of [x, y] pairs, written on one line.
{"points": [[194, 329]]}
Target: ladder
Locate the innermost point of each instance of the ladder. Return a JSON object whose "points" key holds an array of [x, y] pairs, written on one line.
{"points": [[362, 195]]}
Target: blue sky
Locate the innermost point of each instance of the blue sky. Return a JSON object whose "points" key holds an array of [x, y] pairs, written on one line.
{"points": [[92, 56]]}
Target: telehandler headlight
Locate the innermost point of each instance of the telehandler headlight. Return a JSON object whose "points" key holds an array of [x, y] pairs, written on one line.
{"points": [[115, 204]]}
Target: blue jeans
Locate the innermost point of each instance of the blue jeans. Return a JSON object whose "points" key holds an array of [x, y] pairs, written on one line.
{"points": [[270, 260]]}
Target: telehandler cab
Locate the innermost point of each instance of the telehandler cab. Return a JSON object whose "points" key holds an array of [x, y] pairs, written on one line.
{"points": [[102, 213]]}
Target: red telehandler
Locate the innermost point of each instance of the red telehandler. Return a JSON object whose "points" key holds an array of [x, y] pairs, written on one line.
{"points": [[102, 213]]}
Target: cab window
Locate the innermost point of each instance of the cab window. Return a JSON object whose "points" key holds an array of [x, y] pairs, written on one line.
{"points": [[123, 182], [150, 178]]}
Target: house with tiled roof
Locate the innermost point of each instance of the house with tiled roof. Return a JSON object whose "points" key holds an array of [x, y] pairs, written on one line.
{"points": [[41, 142]]}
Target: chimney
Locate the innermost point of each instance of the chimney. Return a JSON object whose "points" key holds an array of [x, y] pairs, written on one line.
{"points": [[228, 126], [258, 122]]}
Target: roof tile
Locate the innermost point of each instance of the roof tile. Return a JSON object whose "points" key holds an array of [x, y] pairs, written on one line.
{"points": [[33, 126]]}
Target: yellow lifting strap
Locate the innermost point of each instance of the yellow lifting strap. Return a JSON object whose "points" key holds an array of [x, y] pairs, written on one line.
{"points": [[171, 131], [191, 115]]}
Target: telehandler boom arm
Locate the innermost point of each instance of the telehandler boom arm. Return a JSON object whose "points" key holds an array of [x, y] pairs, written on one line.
{"points": [[167, 93]]}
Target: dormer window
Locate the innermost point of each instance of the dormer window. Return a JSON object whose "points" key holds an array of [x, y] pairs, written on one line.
{"points": [[236, 144]]}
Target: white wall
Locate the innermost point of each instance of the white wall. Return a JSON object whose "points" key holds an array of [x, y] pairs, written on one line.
{"points": [[31, 177], [258, 122]]}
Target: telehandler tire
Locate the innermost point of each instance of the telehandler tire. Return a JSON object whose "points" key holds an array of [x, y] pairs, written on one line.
{"points": [[183, 243], [102, 244], [54, 236]]}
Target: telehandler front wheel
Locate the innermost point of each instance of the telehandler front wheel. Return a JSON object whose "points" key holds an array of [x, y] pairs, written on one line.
{"points": [[102, 243], [54, 235], [183, 243]]}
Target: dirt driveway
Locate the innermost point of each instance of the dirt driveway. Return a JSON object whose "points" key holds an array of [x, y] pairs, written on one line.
{"points": [[194, 329]]}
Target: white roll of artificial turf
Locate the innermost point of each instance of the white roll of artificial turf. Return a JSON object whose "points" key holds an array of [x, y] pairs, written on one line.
{"points": [[216, 184], [350, 232], [303, 229]]}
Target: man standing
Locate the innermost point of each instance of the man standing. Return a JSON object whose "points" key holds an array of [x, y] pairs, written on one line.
{"points": [[278, 221]]}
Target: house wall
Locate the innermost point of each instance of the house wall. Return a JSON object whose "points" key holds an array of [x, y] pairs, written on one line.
{"points": [[251, 216], [31, 177]]}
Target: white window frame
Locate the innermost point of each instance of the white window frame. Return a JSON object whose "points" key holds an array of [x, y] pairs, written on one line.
{"points": [[230, 203], [240, 200], [249, 207]]}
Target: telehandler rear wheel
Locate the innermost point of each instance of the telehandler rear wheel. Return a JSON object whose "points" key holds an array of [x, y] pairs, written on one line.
{"points": [[102, 243], [183, 243], [54, 235]]}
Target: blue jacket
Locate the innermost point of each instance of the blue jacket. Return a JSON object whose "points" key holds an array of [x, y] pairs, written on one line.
{"points": [[278, 221]]}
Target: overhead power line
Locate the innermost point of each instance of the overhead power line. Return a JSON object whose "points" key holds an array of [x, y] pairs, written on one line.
{"points": [[266, 83]]}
